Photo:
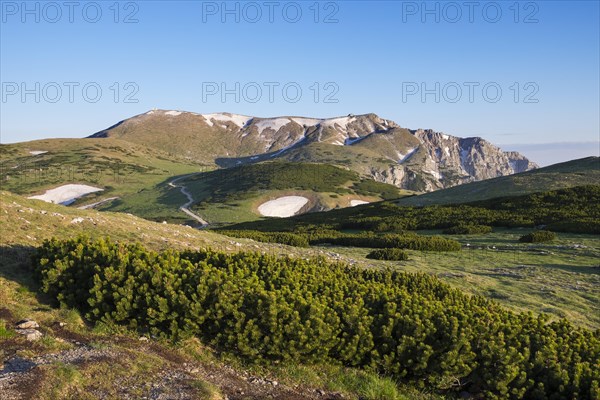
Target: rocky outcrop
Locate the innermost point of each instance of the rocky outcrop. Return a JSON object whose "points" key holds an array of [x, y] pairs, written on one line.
{"points": [[27, 328]]}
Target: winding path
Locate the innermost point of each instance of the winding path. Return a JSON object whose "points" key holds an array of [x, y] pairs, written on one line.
{"points": [[96, 204], [185, 207]]}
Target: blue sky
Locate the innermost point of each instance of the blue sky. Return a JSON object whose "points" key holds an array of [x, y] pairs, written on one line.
{"points": [[436, 65]]}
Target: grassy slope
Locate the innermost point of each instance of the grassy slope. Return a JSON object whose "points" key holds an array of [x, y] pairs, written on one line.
{"points": [[233, 195], [585, 171], [120, 167], [132, 367], [561, 279]]}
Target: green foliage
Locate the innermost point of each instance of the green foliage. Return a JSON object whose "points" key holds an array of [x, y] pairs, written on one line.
{"points": [[410, 241], [559, 210], [468, 229], [246, 181], [290, 239], [411, 327], [370, 187], [388, 254], [538, 237], [5, 333], [318, 236]]}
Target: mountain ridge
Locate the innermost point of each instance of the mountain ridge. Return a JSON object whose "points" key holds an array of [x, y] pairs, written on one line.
{"points": [[421, 160]]}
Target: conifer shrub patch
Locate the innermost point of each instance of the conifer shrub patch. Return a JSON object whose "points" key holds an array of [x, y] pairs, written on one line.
{"points": [[538, 237], [468, 229], [263, 308], [388, 254]]}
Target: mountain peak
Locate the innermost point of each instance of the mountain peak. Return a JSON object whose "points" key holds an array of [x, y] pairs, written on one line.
{"points": [[421, 159]]}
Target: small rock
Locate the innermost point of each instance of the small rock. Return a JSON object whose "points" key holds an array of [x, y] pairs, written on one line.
{"points": [[143, 339], [194, 371], [30, 334], [27, 324], [77, 220]]}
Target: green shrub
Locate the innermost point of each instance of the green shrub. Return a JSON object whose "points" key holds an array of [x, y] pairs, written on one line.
{"points": [[468, 229], [410, 327], [538, 237], [286, 238], [388, 254], [410, 241], [303, 238]]}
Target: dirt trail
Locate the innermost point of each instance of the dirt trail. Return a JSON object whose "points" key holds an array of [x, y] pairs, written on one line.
{"points": [[185, 207], [22, 378]]}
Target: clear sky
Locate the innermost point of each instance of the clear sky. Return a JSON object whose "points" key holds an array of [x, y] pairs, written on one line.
{"points": [[516, 73]]}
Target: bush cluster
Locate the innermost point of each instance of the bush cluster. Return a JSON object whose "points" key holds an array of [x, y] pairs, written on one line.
{"points": [[538, 237], [467, 229], [410, 241], [287, 238], [388, 254], [408, 326]]}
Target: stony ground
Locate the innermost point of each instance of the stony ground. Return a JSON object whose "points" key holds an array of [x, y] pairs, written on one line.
{"points": [[175, 377]]}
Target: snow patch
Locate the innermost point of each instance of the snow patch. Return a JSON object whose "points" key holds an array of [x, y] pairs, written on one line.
{"points": [[66, 194], [354, 203], [351, 141], [173, 113], [445, 137], [37, 152], [307, 121], [342, 122], [447, 150], [282, 207], [239, 120], [404, 157], [275, 124]]}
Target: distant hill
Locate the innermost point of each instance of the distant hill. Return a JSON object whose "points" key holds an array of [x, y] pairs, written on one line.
{"points": [[565, 210], [118, 167], [418, 160], [585, 171], [235, 194]]}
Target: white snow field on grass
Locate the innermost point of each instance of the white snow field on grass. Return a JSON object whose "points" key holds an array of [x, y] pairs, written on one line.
{"points": [[66, 194], [37, 152], [354, 203], [282, 207]]}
